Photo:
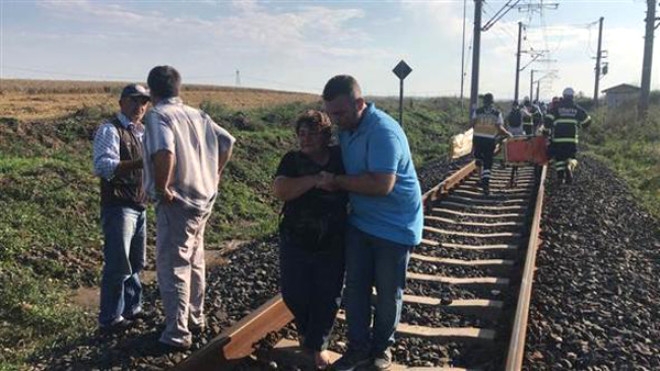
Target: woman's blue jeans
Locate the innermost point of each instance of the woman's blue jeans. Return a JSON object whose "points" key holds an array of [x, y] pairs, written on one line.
{"points": [[311, 283], [124, 252]]}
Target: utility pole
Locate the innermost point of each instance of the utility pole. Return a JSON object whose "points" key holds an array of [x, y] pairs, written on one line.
{"points": [[648, 59], [598, 56], [538, 87], [515, 91], [474, 92], [531, 85], [463, 55]]}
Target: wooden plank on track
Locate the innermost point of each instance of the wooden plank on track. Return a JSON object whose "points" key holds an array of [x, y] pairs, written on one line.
{"points": [[496, 304], [480, 207], [487, 200], [475, 215], [480, 247], [480, 193], [461, 281], [495, 191], [430, 243], [462, 334], [488, 309], [475, 224], [482, 263], [472, 234]]}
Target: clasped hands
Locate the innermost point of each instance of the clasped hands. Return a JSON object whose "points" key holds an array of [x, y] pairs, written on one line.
{"points": [[327, 181]]}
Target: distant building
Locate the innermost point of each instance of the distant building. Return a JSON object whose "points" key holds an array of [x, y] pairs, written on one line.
{"points": [[621, 93]]}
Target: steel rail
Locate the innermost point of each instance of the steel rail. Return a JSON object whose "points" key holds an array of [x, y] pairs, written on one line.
{"points": [[516, 350], [447, 184]]}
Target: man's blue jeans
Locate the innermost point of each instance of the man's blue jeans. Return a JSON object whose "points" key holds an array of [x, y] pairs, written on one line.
{"points": [[124, 252], [373, 261]]}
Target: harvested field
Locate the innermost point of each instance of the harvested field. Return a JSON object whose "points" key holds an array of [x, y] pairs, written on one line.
{"points": [[31, 100]]}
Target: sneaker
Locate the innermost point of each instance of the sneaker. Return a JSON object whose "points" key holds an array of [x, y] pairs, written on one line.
{"points": [[351, 360], [383, 360]]}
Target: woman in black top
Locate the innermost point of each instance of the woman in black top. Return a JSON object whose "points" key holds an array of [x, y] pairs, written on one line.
{"points": [[311, 233]]}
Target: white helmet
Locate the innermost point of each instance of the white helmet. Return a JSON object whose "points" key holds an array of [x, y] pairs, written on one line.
{"points": [[568, 92]]}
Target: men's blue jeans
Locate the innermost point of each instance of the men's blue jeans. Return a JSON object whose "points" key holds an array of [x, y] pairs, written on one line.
{"points": [[124, 252], [373, 261]]}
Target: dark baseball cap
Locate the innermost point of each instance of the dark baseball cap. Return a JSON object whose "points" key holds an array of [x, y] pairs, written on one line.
{"points": [[135, 90]]}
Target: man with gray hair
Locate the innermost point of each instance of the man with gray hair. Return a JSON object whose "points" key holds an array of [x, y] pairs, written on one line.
{"points": [[118, 163], [185, 154]]}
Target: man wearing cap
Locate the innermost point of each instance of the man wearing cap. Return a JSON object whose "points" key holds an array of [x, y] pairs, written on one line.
{"points": [[118, 163], [185, 155], [564, 120], [487, 123]]}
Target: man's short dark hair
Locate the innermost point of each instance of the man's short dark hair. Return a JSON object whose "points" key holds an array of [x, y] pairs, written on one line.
{"points": [[164, 81], [341, 85]]}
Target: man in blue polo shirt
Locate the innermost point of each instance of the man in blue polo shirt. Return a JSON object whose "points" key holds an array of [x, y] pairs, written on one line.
{"points": [[385, 222]]}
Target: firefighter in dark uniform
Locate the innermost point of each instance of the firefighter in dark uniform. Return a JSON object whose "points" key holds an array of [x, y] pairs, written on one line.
{"points": [[564, 120], [487, 123], [532, 117]]}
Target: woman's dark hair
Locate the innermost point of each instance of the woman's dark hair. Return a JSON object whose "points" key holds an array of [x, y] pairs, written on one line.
{"points": [[164, 81], [315, 119], [341, 85]]}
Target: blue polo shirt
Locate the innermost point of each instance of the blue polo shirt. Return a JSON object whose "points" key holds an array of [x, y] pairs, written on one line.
{"points": [[379, 145]]}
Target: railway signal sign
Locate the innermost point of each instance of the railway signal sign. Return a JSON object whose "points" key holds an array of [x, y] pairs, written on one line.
{"points": [[401, 70]]}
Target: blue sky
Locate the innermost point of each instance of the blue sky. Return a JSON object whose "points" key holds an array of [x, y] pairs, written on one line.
{"points": [[298, 45]]}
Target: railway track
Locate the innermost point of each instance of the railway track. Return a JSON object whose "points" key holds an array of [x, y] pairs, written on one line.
{"points": [[468, 290]]}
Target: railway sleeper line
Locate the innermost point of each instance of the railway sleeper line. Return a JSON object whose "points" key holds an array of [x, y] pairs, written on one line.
{"points": [[480, 238]]}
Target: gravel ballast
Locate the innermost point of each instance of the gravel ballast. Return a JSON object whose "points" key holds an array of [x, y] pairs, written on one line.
{"points": [[595, 300]]}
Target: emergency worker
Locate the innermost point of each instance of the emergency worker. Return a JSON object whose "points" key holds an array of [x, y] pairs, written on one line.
{"points": [[514, 120], [533, 117], [487, 123], [564, 120]]}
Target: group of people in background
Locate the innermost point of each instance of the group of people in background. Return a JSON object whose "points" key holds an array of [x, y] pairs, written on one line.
{"points": [[560, 120], [352, 214]]}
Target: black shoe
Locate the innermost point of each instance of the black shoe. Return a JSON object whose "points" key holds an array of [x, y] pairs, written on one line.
{"points": [[196, 330], [569, 177], [115, 328], [171, 348], [486, 189], [352, 360], [136, 316]]}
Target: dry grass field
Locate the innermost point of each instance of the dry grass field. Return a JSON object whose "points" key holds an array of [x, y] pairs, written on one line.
{"points": [[37, 100]]}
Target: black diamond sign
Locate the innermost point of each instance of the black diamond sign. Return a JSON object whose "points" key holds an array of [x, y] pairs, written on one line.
{"points": [[402, 70]]}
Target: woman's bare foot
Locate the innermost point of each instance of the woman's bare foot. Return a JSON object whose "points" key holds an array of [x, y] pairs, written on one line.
{"points": [[322, 359]]}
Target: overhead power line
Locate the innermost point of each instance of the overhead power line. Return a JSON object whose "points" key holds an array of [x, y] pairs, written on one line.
{"points": [[499, 14]]}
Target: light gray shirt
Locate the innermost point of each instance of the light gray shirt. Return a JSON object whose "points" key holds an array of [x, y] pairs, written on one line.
{"points": [[196, 142]]}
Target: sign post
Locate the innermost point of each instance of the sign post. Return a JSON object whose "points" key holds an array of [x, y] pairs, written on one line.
{"points": [[401, 71]]}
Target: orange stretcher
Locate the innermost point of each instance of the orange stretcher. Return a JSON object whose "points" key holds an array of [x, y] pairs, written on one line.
{"points": [[526, 149]]}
